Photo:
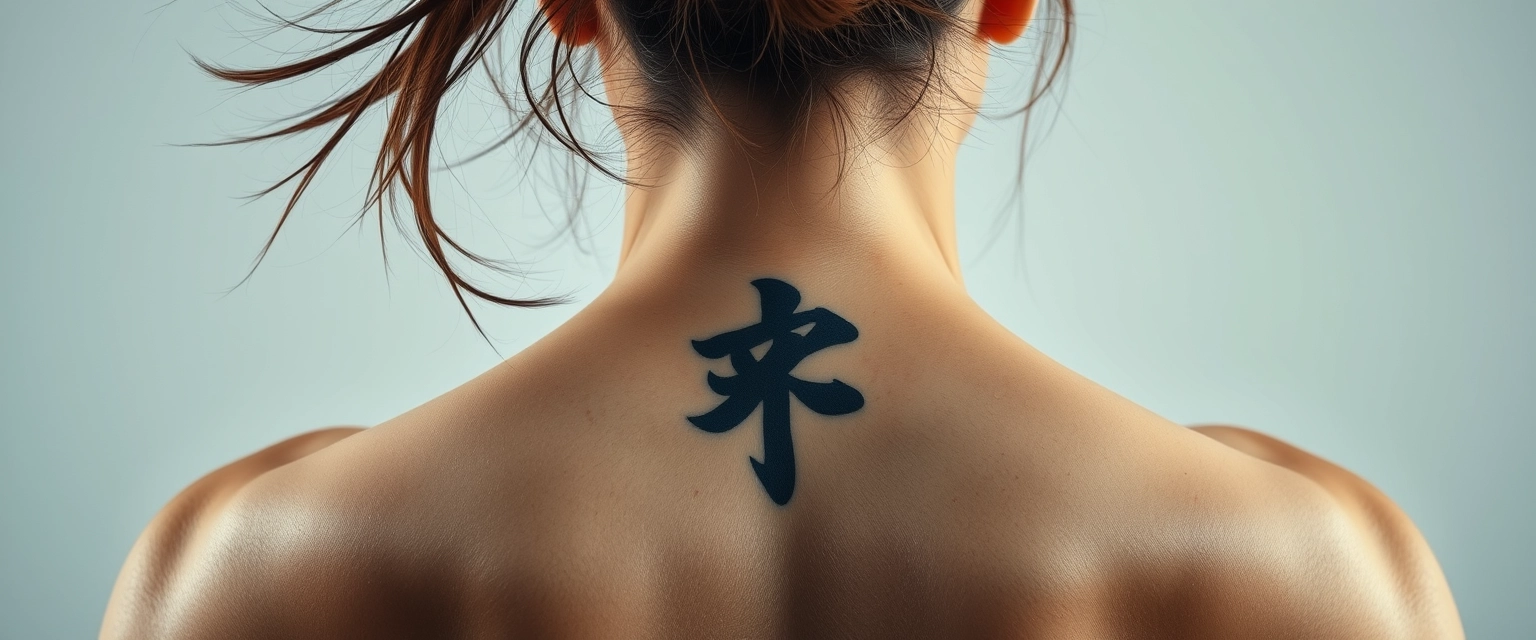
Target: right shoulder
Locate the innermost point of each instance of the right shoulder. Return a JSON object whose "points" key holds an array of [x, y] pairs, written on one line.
{"points": [[1333, 555], [177, 566]]}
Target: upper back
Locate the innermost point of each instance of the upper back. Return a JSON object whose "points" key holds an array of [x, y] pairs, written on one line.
{"points": [[979, 491]]}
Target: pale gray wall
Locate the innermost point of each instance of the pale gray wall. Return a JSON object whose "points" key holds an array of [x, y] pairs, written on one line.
{"points": [[1312, 218]]}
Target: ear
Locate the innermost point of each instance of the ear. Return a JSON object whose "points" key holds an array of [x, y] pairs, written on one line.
{"points": [[574, 22], [1002, 21]]}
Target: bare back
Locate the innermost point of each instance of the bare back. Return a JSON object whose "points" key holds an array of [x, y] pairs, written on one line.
{"points": [[980, 490], [784, 417]]}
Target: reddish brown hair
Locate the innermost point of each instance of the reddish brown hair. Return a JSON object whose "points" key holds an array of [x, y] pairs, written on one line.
{"points": [[788, 52]]}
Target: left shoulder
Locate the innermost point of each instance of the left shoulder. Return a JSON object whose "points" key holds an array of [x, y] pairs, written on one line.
{"points": [[172, 556]]}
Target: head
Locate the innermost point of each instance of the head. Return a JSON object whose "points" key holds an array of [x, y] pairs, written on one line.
{"points": [[763, 71], [864, 72]]}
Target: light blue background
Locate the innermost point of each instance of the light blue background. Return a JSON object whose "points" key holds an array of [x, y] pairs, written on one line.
{"points": [[1312, 218]]}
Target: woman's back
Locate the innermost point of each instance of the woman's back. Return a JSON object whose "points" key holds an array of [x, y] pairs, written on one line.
{"points": [[784, 418], [981, 491]]}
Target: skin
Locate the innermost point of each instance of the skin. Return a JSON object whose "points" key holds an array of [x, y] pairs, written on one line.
{"points": [[982, 491]]}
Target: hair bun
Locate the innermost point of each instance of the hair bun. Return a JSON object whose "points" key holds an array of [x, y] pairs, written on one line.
{"points": [[813, 15]]}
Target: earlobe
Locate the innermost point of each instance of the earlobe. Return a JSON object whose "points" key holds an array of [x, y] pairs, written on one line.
{"points": [[1002, 21], [574, 22]]}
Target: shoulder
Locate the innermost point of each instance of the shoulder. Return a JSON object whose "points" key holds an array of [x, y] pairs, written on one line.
{"points": [[180, 551], [1351, 554]]}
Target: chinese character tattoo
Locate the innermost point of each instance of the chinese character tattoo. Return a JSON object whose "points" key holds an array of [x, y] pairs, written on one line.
{"points": [[767, 381]]}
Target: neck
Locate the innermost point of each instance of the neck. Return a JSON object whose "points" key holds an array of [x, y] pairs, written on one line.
{"points": [[718, 208]]}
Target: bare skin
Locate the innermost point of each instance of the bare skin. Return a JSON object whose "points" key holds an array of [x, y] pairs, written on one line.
{"points": [[983, 490]]}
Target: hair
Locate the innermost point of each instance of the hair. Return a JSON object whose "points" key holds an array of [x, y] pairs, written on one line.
{"points": [[789, 54]]}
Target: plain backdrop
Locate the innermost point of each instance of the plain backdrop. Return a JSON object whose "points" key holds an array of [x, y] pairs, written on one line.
{"points": [[1311, 218]]}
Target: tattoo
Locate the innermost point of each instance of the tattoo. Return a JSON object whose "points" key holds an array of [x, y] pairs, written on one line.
{"points": [[767, 381]]}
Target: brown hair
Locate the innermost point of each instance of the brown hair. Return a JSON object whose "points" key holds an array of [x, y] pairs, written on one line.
{"points": [[785, 52]]}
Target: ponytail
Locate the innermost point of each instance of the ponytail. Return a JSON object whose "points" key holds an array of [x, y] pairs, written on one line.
{"points": [[433, 44]]}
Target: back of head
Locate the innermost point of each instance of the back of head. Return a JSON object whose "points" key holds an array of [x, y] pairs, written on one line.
{"points": [[787, 55], [787, 59]]}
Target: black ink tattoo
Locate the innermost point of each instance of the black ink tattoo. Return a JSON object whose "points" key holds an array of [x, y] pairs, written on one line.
{"points": [[767, 381]]}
